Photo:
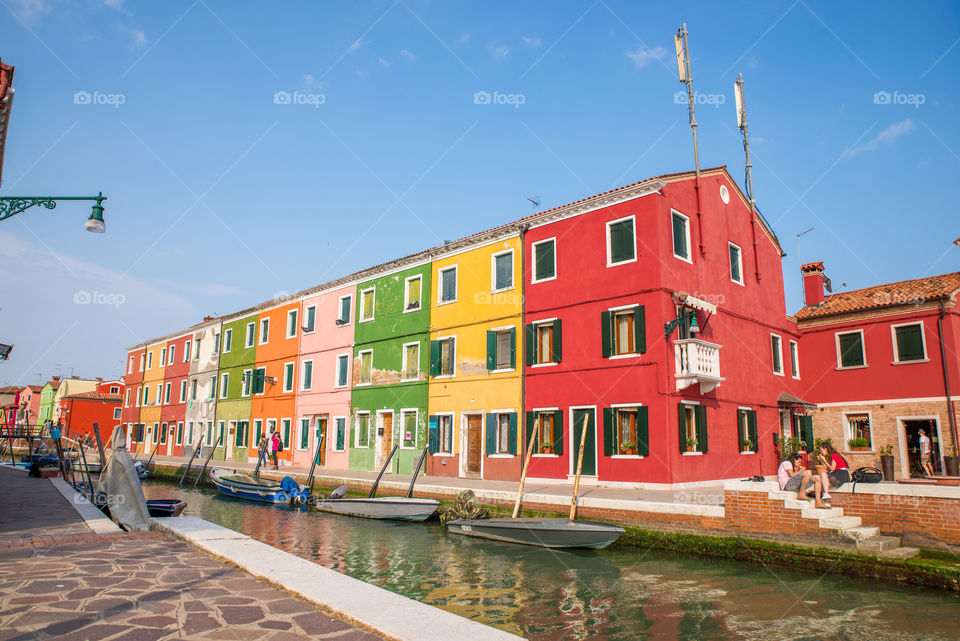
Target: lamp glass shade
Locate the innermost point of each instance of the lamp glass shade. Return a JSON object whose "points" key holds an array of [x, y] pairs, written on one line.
{"points": [[95, 222], [694, 328]]}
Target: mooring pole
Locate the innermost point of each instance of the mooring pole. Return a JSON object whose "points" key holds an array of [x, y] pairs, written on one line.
{"points": [[207, 462], [416, 472]]}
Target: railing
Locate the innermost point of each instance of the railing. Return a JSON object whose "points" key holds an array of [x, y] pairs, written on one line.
{"points": [[697, 361]]}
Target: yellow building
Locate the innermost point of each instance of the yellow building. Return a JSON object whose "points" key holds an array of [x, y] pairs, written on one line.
{"points": [[476, 359], [151, 396]]}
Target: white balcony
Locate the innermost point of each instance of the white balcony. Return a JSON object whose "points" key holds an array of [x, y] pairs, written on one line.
{"points": [[697, 361]]}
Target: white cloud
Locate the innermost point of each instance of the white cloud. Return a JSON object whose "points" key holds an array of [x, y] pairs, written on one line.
{"points": [[886, 136], [644, 56], [533, 41], [464, 38], [498, 50], [309, 83], [383, 62], [27, 10], [137, 37], [116, 5], [411, 58]]}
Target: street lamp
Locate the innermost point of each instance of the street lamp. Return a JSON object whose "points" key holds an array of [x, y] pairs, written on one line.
{"points": [[13, 205]]}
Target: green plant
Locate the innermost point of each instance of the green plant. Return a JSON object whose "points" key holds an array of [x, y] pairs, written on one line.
{"points": [[628, 446], [789, 446], [747, 445], [951, 451], [817, 442], [886, 450], [859, 442], [691, 442]]}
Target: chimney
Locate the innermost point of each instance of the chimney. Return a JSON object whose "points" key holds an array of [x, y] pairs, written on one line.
{"points": [[812, 283], [56, 379]]}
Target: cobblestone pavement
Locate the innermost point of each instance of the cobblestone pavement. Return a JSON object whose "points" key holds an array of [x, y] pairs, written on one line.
{"points": [[20, 516]]}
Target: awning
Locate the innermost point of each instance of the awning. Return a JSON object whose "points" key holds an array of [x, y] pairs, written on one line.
{"points": [[695, 303], [789, 400]]}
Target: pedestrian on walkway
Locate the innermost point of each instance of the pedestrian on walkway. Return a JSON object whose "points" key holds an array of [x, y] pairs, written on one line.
{"points": [[926, 460], [262, 450], [275, 446]]}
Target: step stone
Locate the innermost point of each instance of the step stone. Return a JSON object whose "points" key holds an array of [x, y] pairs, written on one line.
{"points": [[878, 544], [900, 553], [841, 522], [860, 532], [820, 514]]}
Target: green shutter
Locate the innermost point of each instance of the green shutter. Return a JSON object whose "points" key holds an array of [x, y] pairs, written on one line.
{"points": [[513, 348], [752, 429], [434, 358], [681, 419], [491, 435], [643, 430], [558, 432], [512, 435], [545, 264], [851, 350], [741, 418], [679, 237], [304, 435], [910, 343], [557, 342], [531, 339], [806, 432], [528, 433], [433, 434], [606, 333], [609, 433], [640, 329], [701, 428], [491, 350], [286, 435]]}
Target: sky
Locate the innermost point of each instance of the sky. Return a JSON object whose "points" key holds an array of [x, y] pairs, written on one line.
{"points": [[252, 149]]}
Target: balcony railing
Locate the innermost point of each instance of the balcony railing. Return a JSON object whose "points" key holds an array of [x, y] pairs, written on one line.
{"points": [[697, 361]]}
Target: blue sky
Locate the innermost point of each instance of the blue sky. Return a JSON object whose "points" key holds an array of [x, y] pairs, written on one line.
{"points": [[222, 193]]}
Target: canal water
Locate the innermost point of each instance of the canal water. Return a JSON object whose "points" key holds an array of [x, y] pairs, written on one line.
{"points": [[617, 594]]}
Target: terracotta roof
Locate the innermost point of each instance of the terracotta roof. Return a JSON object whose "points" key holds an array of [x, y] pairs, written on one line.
{"points": [[905, 292], [35, 388], [97, 396], [10, 389]]}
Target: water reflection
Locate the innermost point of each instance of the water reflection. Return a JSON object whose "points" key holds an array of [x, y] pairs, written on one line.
{"points": [[611, 594]]}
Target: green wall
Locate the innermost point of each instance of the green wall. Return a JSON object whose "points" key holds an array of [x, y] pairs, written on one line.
{"points": [[236, 407]]}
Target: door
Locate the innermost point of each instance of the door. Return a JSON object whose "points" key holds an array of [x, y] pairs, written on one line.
{"points": [[231, 438], [474, 442], [911, 430], [384, 437], [322, 431], [590, 447]]}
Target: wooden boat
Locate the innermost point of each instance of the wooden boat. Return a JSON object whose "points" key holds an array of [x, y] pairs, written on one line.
{"points": [[548, 533], [165, 507], [253, 488]]}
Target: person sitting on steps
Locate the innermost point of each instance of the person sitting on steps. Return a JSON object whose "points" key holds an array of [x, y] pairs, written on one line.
{"points": [[835, 472], [794, 478]]}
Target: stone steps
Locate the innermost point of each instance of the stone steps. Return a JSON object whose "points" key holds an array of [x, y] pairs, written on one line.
{"points": [[900, 553], [878, 544]]}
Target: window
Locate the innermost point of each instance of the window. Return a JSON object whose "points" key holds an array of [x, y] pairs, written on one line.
{"points": [[858, 427], [288, 377], [850, 349], [183, 390], [227, 340], [246, 382], [130, 366], [747, 430], [443, 442], [163, 433], [621, 242], [116, 413], [240, 436], [309, 318], [442, 357], [623, 331], [367, 304], [166, 394], [264, 330], [908, 343], [224, 384], [304, 433], [794, 360], [736, 264], [411, 361], [501, 349], [502, 276], [163, 355], [149, 360], [186, 351], [126, 400], [292, 323], [681, 236], [173, 349], [180, 433], [362, 438], [114, 389], [159, 400], [550, 435], [306, 377], [544, 260], [216, 342], [251, 331], [258, 429], [340, 433], [346, 304], [501, 433], [343, 368], [285, 435], [366, 367], [626, 431], [193, 390], [156, 432], [258, 383], [411, 296], [141, 362], [777, 351], [196, 352], [409, 418], [543, 342], [448, 285], [693, 428]]}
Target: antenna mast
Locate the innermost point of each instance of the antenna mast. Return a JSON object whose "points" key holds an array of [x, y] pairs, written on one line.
{"points": [[683, 68], [742, 125]]}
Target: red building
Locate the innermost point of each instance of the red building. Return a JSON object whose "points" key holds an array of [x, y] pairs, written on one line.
{"points": [[879, 363], [132, 396], [613, 285], [100, 409], [174, 401]]}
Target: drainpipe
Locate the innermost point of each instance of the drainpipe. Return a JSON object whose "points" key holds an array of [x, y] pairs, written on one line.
{"points": [[946, 375], [522, 356]]}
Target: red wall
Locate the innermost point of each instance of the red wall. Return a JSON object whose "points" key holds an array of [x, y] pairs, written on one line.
{"points": [[132, 380], [174, 373], [80, 415]]}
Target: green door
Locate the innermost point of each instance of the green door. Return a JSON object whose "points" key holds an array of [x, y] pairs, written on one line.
{"points": [[590, 449]]}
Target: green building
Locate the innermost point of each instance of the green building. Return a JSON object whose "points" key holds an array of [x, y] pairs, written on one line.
{"points": [[238, 357], [47, 397], [391, 357]]}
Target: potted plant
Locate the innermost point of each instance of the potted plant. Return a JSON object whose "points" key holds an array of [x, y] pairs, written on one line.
{"points": [[546, 448], [886, 461], [859, 444], [628, 447], [951, 464], [747, 445], [691, 444]]}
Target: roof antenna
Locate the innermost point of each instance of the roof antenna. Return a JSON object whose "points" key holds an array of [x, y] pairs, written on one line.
{"points": [[683, 68], [534, 202], [742, 125]]}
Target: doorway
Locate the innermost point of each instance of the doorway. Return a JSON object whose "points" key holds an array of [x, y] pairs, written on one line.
{"points": [[910, 452], [322, 431], [474, 445], [577, 416], [384, 437]]}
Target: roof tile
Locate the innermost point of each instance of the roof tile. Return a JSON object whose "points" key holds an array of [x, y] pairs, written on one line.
{"points": [[905, 292]]}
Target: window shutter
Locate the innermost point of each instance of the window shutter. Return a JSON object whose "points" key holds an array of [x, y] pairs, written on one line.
{"points": [[640, 329], [752, 429], [609, 433], [513, 348], [512, 434], [806, 432], [558, 432], [434, 358], [701, 428], [433, 434], [531, 339], [742, 418], [491, 436], [606, 334], [643, 430], [491, 350], [545, 264], [557, 342], [851, 350], [528, 433], [909, 343], [682, 416], [341, 429]]}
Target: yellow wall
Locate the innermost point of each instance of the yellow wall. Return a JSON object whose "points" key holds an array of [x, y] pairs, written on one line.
{"points": [[150, 413], [476, 310]]}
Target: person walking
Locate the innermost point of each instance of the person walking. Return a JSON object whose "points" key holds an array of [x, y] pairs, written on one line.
{"points": [[926, 460], [275, 446], [262, 452]]}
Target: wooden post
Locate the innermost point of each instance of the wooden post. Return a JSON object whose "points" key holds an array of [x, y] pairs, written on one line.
{"points": [[526, 464], [576, 480], [207, 462]]}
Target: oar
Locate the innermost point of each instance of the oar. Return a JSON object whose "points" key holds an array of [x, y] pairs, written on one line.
{"points": [[373, 490], [413, 481], [207, 462], [576, 480], [526, 464]]}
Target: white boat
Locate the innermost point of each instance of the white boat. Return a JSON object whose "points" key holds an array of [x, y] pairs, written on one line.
{"points": [[397, 508], [548, 533]]}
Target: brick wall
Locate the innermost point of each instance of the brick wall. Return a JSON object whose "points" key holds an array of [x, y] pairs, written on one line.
{"points": [[755, 514], [925, 522]]}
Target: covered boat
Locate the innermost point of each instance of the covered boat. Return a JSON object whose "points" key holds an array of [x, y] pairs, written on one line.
{"points": [[254, 488], [165, 507], [398, 508], [548, 533]]}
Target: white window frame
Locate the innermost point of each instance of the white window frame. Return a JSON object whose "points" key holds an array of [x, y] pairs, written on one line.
{"points": [[772, 360], [453, 356], [257, 369], [251, 337], [336, 372], [613, 318], [552, 410], [296, 314], [304, 424], [536, 324], [496, 426], [360, 354], [863, 348], [286, 444], [186, 352], [400, 433], [609, 224], [171, 354], [264, 331], [149, 360], [130, 366], [345, 321], [846, 428], [224, 384], [499, 330], [289, 374], [114, 389], [372, 291], [896, 350], [159, 400], [406, 293], [163, 355], [356, 430], [624, 406], [183, 391], [533, 260], [246, 386], [333, 448], [306, 315], [227, 340], [303, 375], [442, 452], [739, 263], [687, 259], [126, 399], [493, 271], [403, 359], [116, 413], [179, 432], [141, 362], [794, 359], [455, 268]]}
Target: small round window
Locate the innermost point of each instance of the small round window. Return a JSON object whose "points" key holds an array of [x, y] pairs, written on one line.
{"points": [[724, 194]]}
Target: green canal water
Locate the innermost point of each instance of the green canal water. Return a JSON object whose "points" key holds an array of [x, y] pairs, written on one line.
{"points": [[608, 594]]}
